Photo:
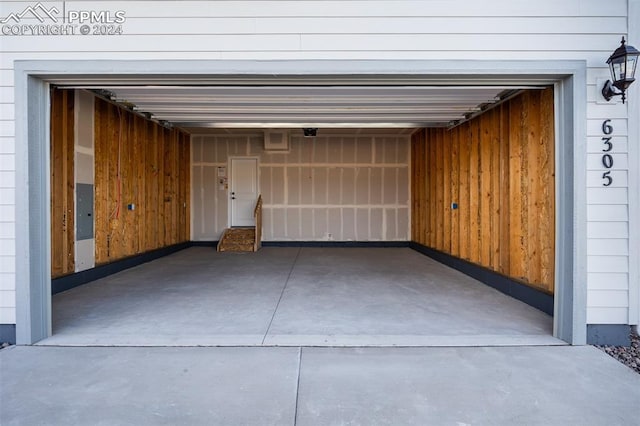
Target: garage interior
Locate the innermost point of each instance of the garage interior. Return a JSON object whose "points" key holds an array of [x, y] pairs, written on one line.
{"points": [[464, 173]]}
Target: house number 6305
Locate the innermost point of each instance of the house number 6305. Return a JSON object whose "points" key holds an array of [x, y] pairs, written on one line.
{"points": [[607, 159]]}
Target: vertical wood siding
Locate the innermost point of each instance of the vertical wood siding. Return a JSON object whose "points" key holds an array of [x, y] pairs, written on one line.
{"points": [[141, 163], [499, 169], [62, 183]]}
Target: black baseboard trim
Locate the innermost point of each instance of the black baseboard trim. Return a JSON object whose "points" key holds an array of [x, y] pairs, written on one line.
{"points": [[204, 244], [8, 333], [58, 285], [506, 285], [609, 334], [337, 244]]}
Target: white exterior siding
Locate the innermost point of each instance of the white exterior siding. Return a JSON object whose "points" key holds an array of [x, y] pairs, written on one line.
{"points": [[432, 29]]}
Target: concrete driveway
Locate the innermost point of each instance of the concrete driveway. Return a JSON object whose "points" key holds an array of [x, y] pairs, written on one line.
{"points": [[533, 385]]}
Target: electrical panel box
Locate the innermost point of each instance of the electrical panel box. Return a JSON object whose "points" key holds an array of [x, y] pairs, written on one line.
{"points": [[84, 211]]}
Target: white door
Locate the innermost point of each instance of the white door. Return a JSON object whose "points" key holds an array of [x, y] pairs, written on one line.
{"points": [[244, 190]]}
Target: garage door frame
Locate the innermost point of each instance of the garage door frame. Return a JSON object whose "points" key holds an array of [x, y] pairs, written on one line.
{"points": [[32, 80]]}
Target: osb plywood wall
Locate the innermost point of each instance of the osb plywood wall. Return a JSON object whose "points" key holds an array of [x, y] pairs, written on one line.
{"points": [[325, 188], [62, 183], [137, 162], [143, 164], [499, 170]]}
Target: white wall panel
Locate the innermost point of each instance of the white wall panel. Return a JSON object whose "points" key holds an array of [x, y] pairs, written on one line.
{"points": [[7, 146], [7, 315], [158, 43], [608, 298], [7, 250], [327, 188], [370, 25], [7, 298], [594, 126], [7, 94], [620, 179], [605, 213], [424, 24], [619, 145], [607, 263], [609, 195], [7, 264], [601, 110], [359, 8], [7, 213], [7, 230], [7, 128], [7, 196], [197, 221], [7, 281], [319, 42], [457, 42], [620, 161], [608, 315], [592, 57], [6, 79], [608, 230], [7, 112], [607, 280], [608, 246]]}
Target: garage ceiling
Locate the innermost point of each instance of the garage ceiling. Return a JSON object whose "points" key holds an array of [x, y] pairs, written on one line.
{"points": [[280, 98], [199, 107]]}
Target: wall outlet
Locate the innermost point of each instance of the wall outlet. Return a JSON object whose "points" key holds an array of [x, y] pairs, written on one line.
{"points": [[329, 236]]}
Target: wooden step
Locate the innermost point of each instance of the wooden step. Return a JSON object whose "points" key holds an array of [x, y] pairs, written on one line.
{"points": [[238, 240]]}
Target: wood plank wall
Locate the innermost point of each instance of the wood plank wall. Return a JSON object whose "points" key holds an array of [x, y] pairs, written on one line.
{"points": [[142, 163], [137, 162], [499, 169], [62, 183]]}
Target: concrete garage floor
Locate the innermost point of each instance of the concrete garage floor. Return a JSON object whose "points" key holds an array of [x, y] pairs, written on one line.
{"points": [[294, 297]]}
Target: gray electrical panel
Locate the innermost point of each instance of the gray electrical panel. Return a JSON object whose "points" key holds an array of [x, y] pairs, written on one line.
{"points": [[84, 211]]}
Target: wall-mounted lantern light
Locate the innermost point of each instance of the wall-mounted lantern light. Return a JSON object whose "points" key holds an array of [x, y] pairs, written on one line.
{"points": [[622, 64]]}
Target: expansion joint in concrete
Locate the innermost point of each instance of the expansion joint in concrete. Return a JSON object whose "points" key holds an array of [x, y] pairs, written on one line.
{"points": [[295, 413], [284, 287]]}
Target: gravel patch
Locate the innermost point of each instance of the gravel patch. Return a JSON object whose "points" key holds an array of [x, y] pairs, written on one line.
{"points": [[629, 356]]}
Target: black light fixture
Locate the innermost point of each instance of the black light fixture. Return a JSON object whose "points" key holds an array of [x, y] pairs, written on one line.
{"points": [[310, 132], [622, 64]]}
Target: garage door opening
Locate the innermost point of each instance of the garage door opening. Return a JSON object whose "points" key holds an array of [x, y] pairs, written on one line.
{"points": [[479, 191], [402, 153]]}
